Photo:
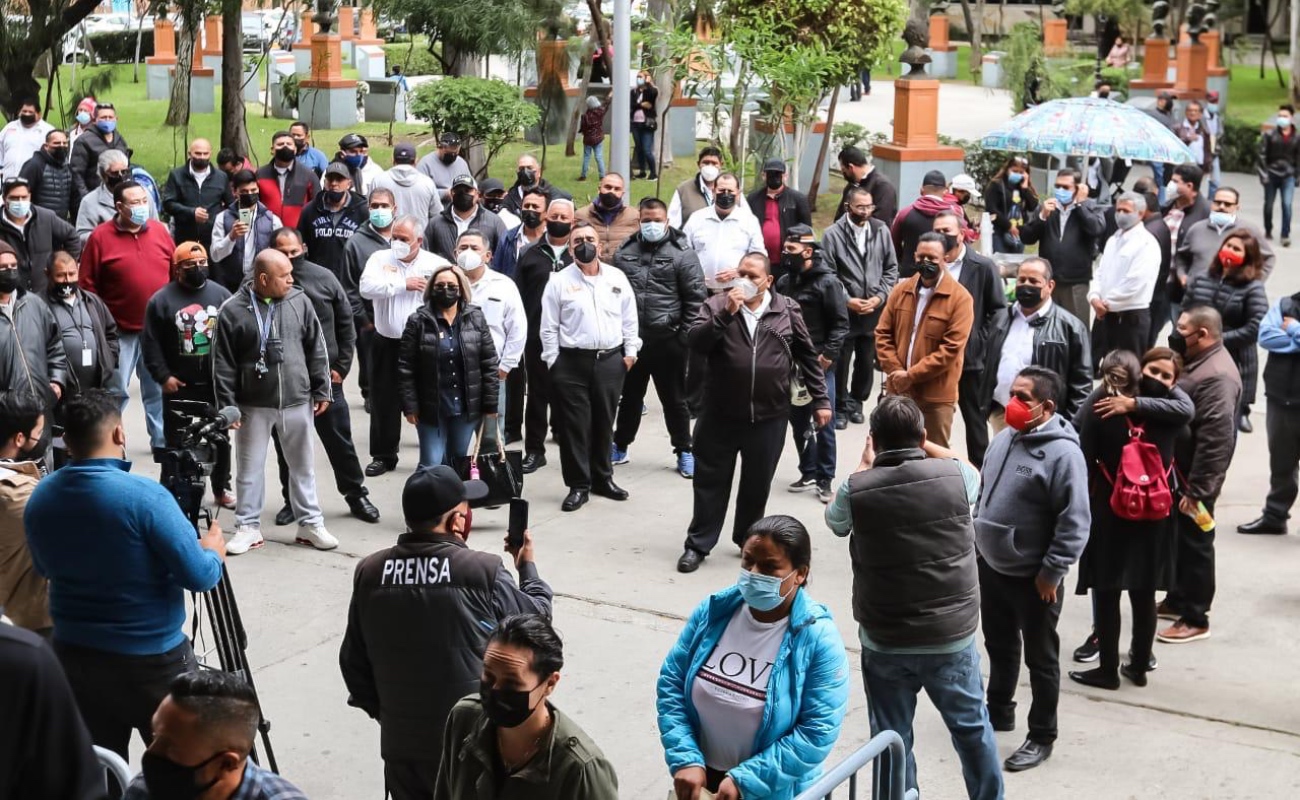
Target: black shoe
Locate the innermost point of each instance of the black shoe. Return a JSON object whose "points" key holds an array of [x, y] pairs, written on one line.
{"points": [[1263, 525], [379, 466], [690, 560], [1088, 652], [804, 483], [365, 403], [1243, 424], [285, 515], [1096, 678], [533, 462], [576, 500], [1138, 676], [363, 509], [856, 418], [610, 490], [1152, 662], [841, 423], [1003, 721], [1030, 755]]}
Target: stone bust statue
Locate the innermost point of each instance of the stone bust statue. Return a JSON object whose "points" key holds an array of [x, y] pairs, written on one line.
{"points": [[917, 36]]}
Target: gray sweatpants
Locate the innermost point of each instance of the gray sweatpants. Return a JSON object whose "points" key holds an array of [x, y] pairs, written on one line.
{"points": [[253, 439]]}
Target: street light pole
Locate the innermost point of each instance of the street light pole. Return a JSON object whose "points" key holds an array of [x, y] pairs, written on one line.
{"points": [[620, 127]]}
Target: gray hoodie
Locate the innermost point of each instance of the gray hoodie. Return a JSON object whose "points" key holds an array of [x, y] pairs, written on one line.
{"points": [[1033, 517], [414, 192]]}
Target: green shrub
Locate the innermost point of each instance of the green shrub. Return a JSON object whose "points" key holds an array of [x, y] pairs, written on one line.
{"points": [[978, 161], [1239, 147], [488, 112], [118, 47], [847, 134], [421, 61]]}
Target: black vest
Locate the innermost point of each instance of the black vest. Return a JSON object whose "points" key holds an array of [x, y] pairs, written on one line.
{"points": [[229, 271], [915, 582], [54, 192]]}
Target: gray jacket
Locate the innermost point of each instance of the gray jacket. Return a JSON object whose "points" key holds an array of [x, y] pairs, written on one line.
{"points": [[301, 375], [31, 348], [413, 191], [864, 275], [1200, 242], [1033, 517]]}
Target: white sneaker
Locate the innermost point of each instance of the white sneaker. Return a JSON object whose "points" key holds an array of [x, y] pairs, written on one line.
{"points": [[316, 536], [246, 538]]}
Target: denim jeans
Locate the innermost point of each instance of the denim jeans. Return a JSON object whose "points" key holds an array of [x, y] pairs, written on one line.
{"points": [[597, 150], [816, 455], [952, 683], [443, 440], [131, 359], [1158, 175], [643, 148], [1287, 187], [1006, 243]]}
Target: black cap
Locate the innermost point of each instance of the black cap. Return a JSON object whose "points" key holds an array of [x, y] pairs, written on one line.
{"points": [[337, 169], [432, 492], [491, 185], [934, 178], [404, 154], [352, 140], [774, 165], [464, 180], [449, 139], [800, 233]]}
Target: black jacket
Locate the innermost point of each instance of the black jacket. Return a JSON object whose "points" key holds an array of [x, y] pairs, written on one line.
{"points": [[179, 324], [824, 305], [1242, 306], [1197, 211], [182, 196], [418, 371], [981, 278], [667, 281], [333, 310], [441, 233], [106, 347], [883, 194], [532, 273], [36, 244], [1070, 254], [418, 624], [748, 377], [791, 205], [325, 233], [84, 159], [998, 197], [1279, 157], [364, 243], [51, 185], [864, 275], [31, 349], [302, 376], [1061, 343]]}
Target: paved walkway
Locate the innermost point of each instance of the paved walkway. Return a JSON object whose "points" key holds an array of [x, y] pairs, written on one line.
{"points": [[965, 111]]}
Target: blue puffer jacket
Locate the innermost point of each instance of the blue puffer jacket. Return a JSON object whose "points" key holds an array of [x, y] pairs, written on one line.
{"points": [[807, 697]]}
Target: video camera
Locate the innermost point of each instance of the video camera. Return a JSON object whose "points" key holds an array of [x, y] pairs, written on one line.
{"points": [[193, 430]]}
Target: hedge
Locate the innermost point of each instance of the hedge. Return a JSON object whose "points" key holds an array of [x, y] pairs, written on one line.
{"points": [[421, 62], [118, 47]]}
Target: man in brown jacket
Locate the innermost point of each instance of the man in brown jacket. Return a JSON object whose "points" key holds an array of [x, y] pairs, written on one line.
{"points": [[929, 368], [610, 216], [24, 594]]}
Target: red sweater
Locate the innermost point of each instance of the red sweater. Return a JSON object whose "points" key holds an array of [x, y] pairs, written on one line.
{"points": [[125, 269]]}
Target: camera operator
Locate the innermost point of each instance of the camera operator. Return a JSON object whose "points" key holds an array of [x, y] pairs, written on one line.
{"points": [[420, 618], [177, 342], [119, 555], [31, 346], [24, 595]]}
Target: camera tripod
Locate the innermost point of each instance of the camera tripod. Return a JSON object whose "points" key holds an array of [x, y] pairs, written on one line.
{"points": [[183, 476]]}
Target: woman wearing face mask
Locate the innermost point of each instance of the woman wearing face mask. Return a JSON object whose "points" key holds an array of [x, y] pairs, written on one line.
{"points": [[1010, 199], [1234, 286], [447, 369], [644, 122], [1127, 555], [759, 732], [510, 742]]}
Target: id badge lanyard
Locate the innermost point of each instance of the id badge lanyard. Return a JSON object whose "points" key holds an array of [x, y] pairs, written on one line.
{"points": [[263, 331]]}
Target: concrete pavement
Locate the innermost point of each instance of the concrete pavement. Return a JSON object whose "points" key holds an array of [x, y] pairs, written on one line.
{"points": [[1219, 719]]}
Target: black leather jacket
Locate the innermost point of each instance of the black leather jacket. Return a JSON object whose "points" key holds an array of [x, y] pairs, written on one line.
{"points": [[418, 370], [667, 281], [1061, 343], [824, 304]]}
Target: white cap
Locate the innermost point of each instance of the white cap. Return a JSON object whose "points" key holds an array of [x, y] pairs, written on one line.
{"points": [[967, 184]]}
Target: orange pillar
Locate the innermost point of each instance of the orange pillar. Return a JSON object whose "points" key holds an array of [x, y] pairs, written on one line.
{"points": [[368, 34], [347, 18], [938, 31], [1192, 66], [305, 30], [1213, 44], [164, 43], [212, 35], [1054, 36], [1155, 66]]}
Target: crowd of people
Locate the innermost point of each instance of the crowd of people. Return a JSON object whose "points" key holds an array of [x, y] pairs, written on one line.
{"points": [[484, 314]]}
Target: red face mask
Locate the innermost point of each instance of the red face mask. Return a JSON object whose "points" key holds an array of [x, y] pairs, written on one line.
{"points": [[1019, 414], [1230, 259]]}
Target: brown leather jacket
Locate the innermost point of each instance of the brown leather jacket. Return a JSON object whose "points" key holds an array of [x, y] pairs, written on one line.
{"points": [[945, 327], [612, 236], [24, 594]]}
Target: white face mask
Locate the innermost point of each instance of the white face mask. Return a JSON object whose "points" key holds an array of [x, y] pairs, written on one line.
{"points": [[1171, 190], [747, 288], [709, 173], [469, 260], [401, 250]]}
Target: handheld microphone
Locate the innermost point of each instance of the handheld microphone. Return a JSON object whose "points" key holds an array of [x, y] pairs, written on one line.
{"points": [[221, 422]]}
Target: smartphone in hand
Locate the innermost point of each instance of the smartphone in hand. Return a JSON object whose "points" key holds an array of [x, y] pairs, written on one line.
{"points": [[518, 522]]}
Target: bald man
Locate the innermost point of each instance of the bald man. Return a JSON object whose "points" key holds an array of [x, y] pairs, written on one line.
{"points": [[528, 177], [194, 194]]}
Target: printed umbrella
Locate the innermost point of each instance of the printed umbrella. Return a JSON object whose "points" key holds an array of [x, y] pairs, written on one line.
{"points": [[1089, 126]]}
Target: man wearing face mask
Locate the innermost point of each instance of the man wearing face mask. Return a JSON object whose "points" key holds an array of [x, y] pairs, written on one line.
{"points": [[1201, 241], [1186, 206], [394, 280], [21, 138], [918, 218], [444, 164], [311, 157], [179, 324], [24, 594], [1279, 165], [493, 197], [285, 186], [528, 175], [370, 238], [922, 335], [415, 192], [531, 229], [86, 151], [50, 177], [1125, 282], [777, 208], [1067, 230], [88, 331], [99, 207], [722, 234], [33, 232], [203, 734], [332, 217], [610, 215], [84, 117], [860, 173], [403, 621], [752, 339], [354, 153], [241, 232], [696, 194], [195, 193], [1163, 112], [1203, 455], [1031, 524], [462, 213]]}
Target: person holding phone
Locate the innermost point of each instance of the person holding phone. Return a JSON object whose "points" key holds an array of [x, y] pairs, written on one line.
{"points": [[421, 615]]}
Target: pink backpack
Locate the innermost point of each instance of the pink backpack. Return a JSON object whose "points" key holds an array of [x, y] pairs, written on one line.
{"points": [[1141, 485]]}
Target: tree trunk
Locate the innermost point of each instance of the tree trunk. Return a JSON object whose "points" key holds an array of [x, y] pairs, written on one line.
{"points": [[735, 140], [234, 131], [665, 82], [976, 38], [18, 66], [815, 186], [178, 110], [139, 41], [584, 83], [1295, 57]]}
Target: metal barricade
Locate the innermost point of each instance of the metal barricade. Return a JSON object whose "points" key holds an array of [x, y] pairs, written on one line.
{"points": [[847, 770], [113, 766]]}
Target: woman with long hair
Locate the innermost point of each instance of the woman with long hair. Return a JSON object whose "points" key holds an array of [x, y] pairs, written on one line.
{"points": [[1010, 200]]}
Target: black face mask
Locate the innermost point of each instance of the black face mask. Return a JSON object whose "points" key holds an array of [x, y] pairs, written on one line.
{"points": [[530, 218], [505, 708], [297, 261], [1029, 296], [927, 269], [167, 780], [334, 197], [8, 280], [462, 201], [584, 252], [792, 262], [609, 201], [194, 278], [199, 164], [1178, 343], [63, 290], [1103, 95], [286, 155], [774, 180], [248, 200], [950, 242], [725, 201], [494, 204], [558, 230], [59, 155], [448, 158], [526, 177], [113, 179], [445, 296], [27, 119], [1150, 387]]}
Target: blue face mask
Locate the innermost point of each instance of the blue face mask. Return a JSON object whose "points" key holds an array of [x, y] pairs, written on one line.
{"points": [[761, 592], [381, 217], [354, 161], [653, 231], [1222, 219], [1063, 196], [106, 125], [19, 209], [1283, 122], [83, 118], [1014, 178], [1212, 108], [139, 215]]}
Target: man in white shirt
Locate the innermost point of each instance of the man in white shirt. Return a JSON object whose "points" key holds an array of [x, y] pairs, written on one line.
{"points": [[20, 139], [394, 280], [722, 234], [1125, 282], [241, 232], [499, 299], [590, 340]]}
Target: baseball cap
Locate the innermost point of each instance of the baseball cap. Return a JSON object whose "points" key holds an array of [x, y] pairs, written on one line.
{"points": [[934, 178], [449, 139], [187, 251], [431, 492], [774, 165], [1212, 96], [464, 180], [966, 183], [800, 233], [404, 154], [337, 169], [491, 185], [352, 140]]}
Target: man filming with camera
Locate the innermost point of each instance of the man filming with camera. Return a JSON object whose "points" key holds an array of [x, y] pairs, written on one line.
{"points": [[119, 554]]}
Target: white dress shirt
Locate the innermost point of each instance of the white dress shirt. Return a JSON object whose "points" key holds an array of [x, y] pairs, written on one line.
{"points": [[1126, 274], [19, 143], [503, 308], [954, 269], [384, 281], [721, 242], [588, 312], [1017, 350], [923, 296], [752, 318], [223, 245]]}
